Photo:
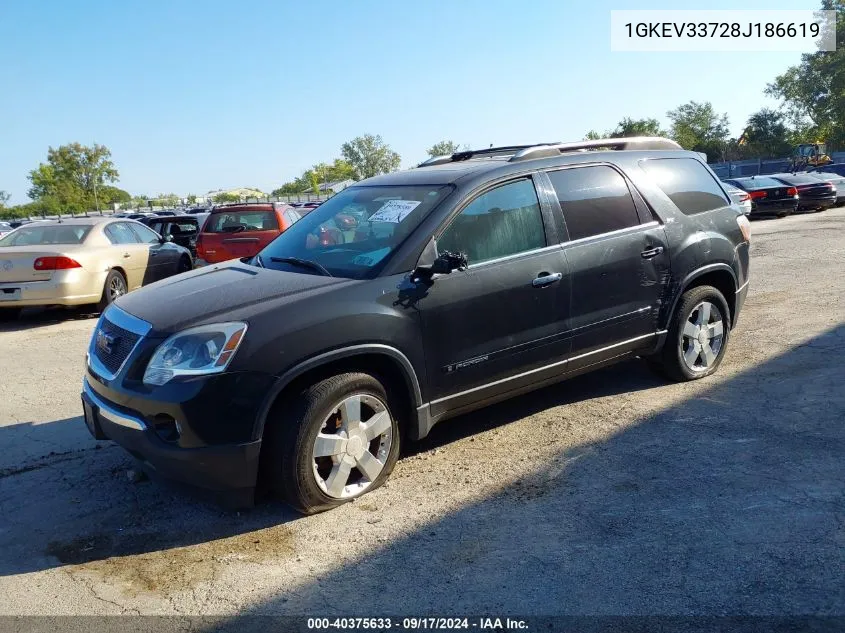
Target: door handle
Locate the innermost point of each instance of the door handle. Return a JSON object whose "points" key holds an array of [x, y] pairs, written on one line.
{"points": [[127, 255], [546, 279], [652, 252]]}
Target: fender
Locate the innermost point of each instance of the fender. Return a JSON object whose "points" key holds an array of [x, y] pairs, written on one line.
{"points": [[409, 374], [698, 272]]}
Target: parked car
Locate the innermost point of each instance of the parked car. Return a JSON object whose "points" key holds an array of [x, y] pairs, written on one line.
{"points": [[132, 216], [498, 277], [740, 197], [813, 194], [182, 229], [768, 195], [168, 212], [82, 261], [242, 229], [5, 227], [830, 168], [835, 179]]}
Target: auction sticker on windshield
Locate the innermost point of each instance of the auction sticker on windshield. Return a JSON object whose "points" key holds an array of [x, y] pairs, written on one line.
{"points": [[394, 211]]}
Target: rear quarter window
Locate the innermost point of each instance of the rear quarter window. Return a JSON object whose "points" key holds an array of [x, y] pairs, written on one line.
{"points": [[687, 183]]}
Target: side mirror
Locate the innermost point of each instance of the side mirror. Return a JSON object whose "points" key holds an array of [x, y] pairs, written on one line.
{"points": [[447, 262], [441, 264], [167, 238]]}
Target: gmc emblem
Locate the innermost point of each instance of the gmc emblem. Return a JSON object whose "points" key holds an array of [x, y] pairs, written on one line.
{"points": [[105, 341]]}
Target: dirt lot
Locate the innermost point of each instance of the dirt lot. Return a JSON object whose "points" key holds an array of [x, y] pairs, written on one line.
{"points": [[614, 493]]}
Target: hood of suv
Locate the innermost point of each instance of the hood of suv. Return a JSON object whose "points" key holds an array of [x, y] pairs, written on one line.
{"points": [[206, 294]]}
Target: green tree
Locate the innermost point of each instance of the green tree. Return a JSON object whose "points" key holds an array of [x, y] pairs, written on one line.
{"points": [[287, 189], [637, 127], [766, 135], [696, 126], [191, 199], [370, 156], [592, 135], [72, 175], [4, 198], [443, 148], [813, 91], [166, 200], [221, 198]]}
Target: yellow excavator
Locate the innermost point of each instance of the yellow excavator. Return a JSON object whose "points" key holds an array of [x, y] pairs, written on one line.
{"points": [[809, 155]]}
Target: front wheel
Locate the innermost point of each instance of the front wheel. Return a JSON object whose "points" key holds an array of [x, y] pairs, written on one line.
{"points": [[334, 441], [184, 265], [698, 336]]}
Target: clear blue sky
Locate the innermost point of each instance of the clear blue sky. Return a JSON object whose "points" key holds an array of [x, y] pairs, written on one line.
{"points": [[193, 96]]}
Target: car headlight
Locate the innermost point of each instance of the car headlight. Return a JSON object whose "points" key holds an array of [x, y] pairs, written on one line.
{"points": [[197, 351]]}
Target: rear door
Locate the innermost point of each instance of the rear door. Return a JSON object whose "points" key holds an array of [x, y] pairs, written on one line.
{"points": [[618, 260], [235, 233]]}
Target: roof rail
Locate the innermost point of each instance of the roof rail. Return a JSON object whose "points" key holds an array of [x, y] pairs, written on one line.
{"points": [[629, 143], [505, 150], [543, 150]]}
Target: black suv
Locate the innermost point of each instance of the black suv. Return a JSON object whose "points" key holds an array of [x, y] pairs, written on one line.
{"points": [[413, 297]]}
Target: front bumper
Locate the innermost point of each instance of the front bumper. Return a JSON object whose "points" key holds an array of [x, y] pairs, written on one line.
{"points": [[69, 288], [229, 472]]}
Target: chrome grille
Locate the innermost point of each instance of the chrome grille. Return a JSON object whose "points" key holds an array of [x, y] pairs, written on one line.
{"points": [[112, 344], [116, 336]]}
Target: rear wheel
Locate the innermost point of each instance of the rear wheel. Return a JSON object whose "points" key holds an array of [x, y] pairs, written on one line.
{"points": [[698, 336], [114, 288], [334, 441]]}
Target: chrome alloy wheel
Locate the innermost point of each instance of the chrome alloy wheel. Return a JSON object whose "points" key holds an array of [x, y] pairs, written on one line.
{"points": [[117, 287], [352, 446], [703, 336]]}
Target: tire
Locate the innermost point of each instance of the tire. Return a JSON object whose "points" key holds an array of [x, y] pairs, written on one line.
{"points": [[678, 359], [291, 439], [111, 289], [184, 266]]}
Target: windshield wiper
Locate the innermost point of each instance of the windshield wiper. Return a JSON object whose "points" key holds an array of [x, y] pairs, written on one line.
{"points": [[302, 263]]}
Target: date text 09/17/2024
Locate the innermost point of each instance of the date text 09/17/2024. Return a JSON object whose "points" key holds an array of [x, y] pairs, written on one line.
{"points": [[417, 623]]}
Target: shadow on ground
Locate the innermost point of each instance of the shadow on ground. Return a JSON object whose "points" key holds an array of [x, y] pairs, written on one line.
{"points": [[31, 318], [728, 503]]}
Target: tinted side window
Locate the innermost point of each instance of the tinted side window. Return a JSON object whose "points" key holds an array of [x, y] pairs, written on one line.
{"points": [[120, 233], [594, 200], [501, 222], [687, 183], [145, 234]]}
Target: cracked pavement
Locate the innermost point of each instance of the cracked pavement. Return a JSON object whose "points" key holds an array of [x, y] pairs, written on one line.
{"points": [[613, 493]]}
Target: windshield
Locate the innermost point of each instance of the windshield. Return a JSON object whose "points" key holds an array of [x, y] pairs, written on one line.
{"points": [[355, 232], [53, 234]]}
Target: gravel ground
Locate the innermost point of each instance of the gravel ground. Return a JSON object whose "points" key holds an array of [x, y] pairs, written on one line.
{"points": [[613, 493]]}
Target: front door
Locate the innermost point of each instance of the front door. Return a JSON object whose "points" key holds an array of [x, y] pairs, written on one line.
{"points": [[618, 259], [162, 256], [506, 313]]}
